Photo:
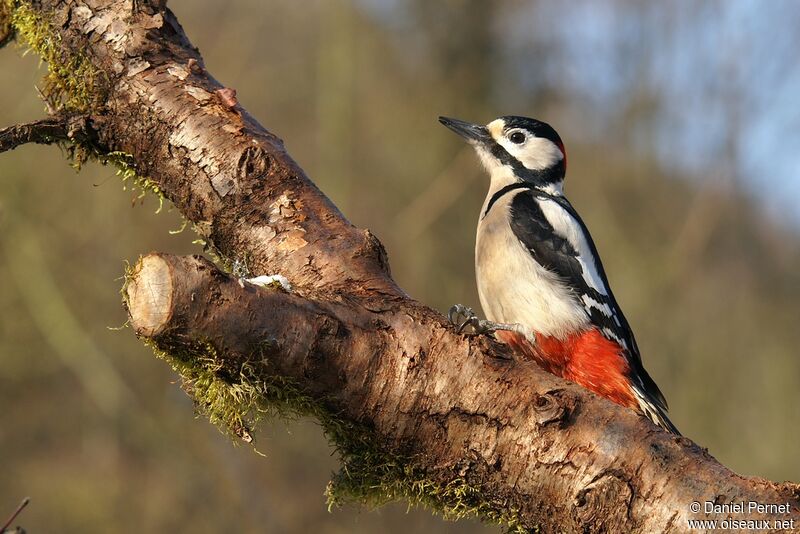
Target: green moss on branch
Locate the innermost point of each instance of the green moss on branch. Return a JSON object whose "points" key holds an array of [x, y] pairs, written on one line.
{"points": [[235, 396], [72, 83], [373, 477], [6, 25], [229, 391], [126, 169]]}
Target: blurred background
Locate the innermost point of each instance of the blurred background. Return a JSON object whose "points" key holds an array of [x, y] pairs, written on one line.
{"points": [[682, 127]]}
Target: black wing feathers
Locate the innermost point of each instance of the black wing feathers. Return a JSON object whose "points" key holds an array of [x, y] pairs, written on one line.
{"points": [[557, 254], [554, 252]]}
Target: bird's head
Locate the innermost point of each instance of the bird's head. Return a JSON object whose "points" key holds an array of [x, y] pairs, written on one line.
{"points": [[529, 149]]}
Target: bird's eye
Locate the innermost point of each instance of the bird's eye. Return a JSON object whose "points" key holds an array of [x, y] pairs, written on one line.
{"points": [[517, 138]]}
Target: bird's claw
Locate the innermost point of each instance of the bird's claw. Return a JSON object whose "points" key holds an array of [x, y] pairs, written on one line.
{"points": [[463, 317]]}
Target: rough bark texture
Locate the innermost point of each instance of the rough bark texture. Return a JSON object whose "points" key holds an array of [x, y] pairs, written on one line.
{"points": [[552, 454]]}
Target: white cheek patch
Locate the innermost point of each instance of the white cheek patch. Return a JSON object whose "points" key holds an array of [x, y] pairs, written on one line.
{"points": [[535, 154]]}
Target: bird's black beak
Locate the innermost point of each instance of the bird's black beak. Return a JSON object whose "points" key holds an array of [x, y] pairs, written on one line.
{"points": [[470, 132]]}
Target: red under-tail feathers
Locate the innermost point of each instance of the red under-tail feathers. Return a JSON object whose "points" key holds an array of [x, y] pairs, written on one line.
{"points": [[587, 358]]}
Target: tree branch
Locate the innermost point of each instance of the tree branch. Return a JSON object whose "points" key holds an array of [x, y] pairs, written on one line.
{"points": [[554, 454], [47, 131], [417, 410]]}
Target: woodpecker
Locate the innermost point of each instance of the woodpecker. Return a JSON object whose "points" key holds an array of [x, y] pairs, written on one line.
{"points": [[540, 280]]}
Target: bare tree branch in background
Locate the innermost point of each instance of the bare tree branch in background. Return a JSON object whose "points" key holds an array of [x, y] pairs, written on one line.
{"points": [[416, 410]]}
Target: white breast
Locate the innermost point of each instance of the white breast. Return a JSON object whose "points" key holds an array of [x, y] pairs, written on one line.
{"points": [[513, 288]]}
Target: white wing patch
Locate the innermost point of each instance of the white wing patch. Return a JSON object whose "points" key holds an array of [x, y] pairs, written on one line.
{"points": [[566, 226]]}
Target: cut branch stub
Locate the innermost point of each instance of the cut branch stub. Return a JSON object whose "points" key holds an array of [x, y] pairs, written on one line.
{"points": [[558, 456], [148, 294], [526, 447]]}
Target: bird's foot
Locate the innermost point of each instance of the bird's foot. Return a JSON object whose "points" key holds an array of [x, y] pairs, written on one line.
{"points": [[468, 322]]}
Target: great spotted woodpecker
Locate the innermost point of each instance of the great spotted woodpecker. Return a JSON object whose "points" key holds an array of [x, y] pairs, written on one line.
{"points": [[540, 280]]}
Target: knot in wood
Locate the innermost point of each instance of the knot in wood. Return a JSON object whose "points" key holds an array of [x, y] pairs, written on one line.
{"points": [[254, 163], [604, 503], [549, 408]]}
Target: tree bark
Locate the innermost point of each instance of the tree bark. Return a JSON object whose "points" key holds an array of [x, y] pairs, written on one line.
{"points": [[528, 448]]}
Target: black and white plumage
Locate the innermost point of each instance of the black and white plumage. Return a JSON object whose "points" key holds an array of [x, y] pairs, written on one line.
{"points": [[536, 263]]}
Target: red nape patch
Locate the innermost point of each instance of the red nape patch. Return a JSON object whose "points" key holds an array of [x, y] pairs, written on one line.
{"points": [[586, 358], [564, 153]]}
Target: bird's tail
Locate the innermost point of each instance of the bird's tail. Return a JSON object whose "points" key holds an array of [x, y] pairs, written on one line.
{"points": [[655, 409], [651, 402]]}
